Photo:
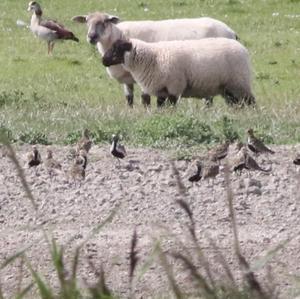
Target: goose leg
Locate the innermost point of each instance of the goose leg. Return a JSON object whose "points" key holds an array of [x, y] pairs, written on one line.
{"points": [[50, 173], [118, 165], [213, 191], [51, 47]]}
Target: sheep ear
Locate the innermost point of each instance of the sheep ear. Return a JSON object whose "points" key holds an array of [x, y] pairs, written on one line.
{"points": [[112, 19], [80, 19]]}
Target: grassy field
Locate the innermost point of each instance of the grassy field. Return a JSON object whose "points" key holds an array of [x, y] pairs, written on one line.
{"points": [[50, 99]]}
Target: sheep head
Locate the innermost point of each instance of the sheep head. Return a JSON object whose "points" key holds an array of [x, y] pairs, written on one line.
{"points": [[115, 55], [99, 25]]}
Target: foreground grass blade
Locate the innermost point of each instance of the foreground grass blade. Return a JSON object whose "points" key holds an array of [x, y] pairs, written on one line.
{"points": [[192, 227], [98, 228], [24, 292], [133, 256], [57, 259], [75, 265], [45, 292], [1, 294], [150, 260], [12, 258], [259, 263], [68, 286], [100, 290], [20, 172], [200, 280], [249, 276], [222, 261], [168, 269]]}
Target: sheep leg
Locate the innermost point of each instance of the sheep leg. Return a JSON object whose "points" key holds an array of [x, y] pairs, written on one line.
{"points": [[249, 100], [173, 100], [230, 99], [146, 99], [160, 101], [208, 101], [128, 90]]}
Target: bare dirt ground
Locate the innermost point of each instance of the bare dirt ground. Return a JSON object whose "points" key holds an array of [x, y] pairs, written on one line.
{"points": [[144, 188]]}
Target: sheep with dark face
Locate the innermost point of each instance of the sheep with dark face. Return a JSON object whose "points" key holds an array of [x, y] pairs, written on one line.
{"points": [[104, 30], [194, 68]]}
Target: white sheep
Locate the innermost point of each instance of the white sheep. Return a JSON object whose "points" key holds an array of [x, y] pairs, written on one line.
{"points": [[104, 30], [194, 68]]}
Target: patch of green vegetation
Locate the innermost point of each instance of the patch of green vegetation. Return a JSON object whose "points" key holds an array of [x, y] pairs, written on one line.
{"points": [[33, 137], [6, 133], [162, 129], [72, 137], [227, 127], [263, 76], [13, 97]]}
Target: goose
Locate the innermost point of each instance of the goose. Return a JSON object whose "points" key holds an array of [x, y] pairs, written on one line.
{"points": [[82, 155], [203, 170], [210, 170], [84, 143], [79, 166], [196, 172], [50, 163], [296, 161], [34, 157], [244, 161], [219, 152], [255, 145], [251, 164], [48, 30], [117, 149]]}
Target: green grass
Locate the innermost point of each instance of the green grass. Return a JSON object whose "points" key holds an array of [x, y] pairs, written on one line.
{"points": [[50, 99]]}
